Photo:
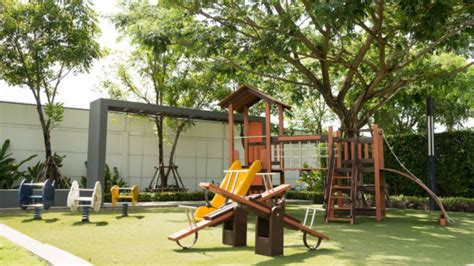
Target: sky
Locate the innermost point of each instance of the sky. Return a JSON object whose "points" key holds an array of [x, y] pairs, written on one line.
{"points": [[79, 90]]}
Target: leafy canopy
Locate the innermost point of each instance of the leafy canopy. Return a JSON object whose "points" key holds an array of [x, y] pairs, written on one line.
{"points": [[356, 54]]}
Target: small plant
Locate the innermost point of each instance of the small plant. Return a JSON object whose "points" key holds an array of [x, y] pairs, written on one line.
{"points": [[36, 173], [111, 178], [313, 179], [9, 169]]}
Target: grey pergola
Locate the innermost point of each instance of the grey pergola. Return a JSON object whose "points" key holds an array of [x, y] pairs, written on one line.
{"points": [[98, 127]]}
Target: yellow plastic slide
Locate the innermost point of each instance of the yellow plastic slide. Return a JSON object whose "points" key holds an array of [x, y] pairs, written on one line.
{"points": [[241, 188]]}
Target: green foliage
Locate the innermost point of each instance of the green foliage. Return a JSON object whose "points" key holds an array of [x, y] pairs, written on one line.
{"points": [[355, 54], [36, 173], [9, 169], [168, 196], [453, 100], [315, 196], [313, 179], [449, 203], [111, 177], [454, 163], [40, 43], [55, 113]]}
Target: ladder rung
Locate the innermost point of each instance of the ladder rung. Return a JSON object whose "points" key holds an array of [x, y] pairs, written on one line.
{"points": [[342, 208], [342, 177], [343, 170], [342, 187], [339, 197], [340, 219], [365, 161]]}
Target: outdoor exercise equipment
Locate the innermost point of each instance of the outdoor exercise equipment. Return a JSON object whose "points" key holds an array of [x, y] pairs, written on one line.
{"points": [[353, 159], [76, 200], [124, 196], [43, 200]]}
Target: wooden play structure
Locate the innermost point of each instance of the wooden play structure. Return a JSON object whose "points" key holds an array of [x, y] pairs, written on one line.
{"points": [[230, 206], [354, 159]]}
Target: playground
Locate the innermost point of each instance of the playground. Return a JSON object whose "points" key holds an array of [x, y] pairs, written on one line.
{"points": [[413, 238]]}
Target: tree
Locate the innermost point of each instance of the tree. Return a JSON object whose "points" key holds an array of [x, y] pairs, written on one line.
{"points": [[40, 43], [453, 98], [165, 67], [356, 54]]}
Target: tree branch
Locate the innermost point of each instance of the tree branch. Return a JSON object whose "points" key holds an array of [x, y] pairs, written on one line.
{"points": [[233, 63]]}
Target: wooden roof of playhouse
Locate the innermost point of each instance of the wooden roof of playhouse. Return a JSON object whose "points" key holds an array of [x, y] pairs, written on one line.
{"points": [[247, 96]]}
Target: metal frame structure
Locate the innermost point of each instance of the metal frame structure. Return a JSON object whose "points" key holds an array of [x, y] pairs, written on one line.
{"points": [[99, 110]]}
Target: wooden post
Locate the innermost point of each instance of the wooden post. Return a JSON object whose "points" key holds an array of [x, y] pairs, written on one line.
{"points": [[338, 165], [376, 158], [382, 177], [281, 129], [231, 134], [330, 143], [246, 135], [268, 138]]}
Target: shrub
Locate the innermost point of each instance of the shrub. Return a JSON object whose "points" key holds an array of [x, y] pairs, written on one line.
{"points": [[111, 178], [449, 203], [315, 197], [9, 169], [454, 163]]}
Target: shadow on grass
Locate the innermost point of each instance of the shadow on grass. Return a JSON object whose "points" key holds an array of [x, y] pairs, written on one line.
{"points": [[90, 223], [296, 258], [49, 221], [213, 249], [139, 217]]}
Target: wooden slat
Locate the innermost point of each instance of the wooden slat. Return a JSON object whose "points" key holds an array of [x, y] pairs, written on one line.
{"points": [[259, 208], [299, 138], [200, 225], [221, 211]]}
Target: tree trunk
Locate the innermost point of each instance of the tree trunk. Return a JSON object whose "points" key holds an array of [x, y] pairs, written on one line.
{"points": [[161, 159], [173, 148], [51, 170]]}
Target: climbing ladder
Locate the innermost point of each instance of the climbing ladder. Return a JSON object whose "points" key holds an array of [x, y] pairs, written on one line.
{"points": [[343, 180]]}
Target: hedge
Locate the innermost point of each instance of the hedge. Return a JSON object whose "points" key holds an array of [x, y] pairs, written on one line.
{"points": [[167, 196], [316, 197], [454, 163], [449, 203], [399, 202]]}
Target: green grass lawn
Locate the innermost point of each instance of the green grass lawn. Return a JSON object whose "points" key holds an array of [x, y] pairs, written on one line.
{"points": [[11, 254], [404, 237]]}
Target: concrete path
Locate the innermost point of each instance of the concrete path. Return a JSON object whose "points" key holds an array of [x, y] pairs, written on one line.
{"points": [[51, 254]]}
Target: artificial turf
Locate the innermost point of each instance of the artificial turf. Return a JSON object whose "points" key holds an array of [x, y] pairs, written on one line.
{"points": [[404, 237], [11, 254]]}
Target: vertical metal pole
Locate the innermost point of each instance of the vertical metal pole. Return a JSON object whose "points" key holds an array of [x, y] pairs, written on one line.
{"points": [[97, 142], [431, 150]]}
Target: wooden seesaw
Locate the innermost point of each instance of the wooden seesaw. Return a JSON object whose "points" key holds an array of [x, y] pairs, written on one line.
{"points": [[271, 220]]}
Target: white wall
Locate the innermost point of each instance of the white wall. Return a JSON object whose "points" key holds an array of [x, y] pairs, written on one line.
{"points": [[132, 146]]}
